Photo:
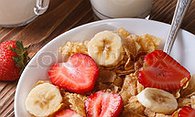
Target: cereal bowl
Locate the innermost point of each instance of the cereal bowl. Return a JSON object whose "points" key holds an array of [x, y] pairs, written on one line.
{"points": [[183, 51]]}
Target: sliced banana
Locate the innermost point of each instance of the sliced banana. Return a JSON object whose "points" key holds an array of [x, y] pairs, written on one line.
{"points": [[158, 100], [106, 48], [43, 100]]}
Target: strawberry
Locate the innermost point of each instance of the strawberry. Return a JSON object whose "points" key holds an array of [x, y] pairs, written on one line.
{"points": [[161, 71], [186, 111], [67, 113], [103, 104], [13, 58], [77, 75]]}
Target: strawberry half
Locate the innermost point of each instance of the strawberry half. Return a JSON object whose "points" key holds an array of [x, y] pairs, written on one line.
{"points": [[77, 75], [67, 113], [186, 111], [161, 71], [103, 104]]}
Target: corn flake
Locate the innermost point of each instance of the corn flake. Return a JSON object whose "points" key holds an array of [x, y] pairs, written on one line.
{"points": [[148, 42], [135, 106], [131, 47], [129, 88], [149, 113], [140, 87], [123, 33], [190, 89], [71, 48], [76, 102]]}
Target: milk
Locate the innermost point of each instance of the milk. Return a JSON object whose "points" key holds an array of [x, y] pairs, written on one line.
{"points": [[121, 8], [16, 12]]}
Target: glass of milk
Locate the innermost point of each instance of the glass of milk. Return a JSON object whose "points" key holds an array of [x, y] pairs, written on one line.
{"points": [[15, 13], [105, 9]]}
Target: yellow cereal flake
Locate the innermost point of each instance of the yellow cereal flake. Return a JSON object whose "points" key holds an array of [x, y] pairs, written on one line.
{"points": [[138, 64], [176, 94], [129, 65], [129, 88], [140, 87], [190, 89], [134, 105], [183, 82], [71, 48], [118, 81], [149, 113], [131, 47], [123, 33], [175, 114], [134, 37], [76, 102], [148, 42], [115, 89]]}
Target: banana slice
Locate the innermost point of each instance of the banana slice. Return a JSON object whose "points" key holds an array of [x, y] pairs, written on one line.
{"points": [[43, 100], [106, 48], [158, 100]]}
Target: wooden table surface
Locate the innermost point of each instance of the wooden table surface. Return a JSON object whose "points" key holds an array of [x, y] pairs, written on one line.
{"points": [[62, 16]]}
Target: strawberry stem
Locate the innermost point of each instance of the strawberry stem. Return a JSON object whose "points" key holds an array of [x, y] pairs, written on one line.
{"points": [[22, 58]]}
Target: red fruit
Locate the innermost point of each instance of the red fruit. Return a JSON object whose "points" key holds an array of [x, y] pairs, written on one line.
{"points": [[186, 111], [13, 58], [77, 75], [67, 113], [103, 104], [161, 71]]}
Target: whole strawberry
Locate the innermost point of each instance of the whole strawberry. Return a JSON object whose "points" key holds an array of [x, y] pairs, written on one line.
{"points": [[13, 58]]}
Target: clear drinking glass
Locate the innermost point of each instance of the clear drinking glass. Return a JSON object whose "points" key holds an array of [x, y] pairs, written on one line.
{"points": [[105, 9], [15, 13]]}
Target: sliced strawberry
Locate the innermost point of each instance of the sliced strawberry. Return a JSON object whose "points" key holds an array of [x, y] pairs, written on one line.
{"points": [[103, 104], [78, 74], [161, 71], [67, 113], [186, 111]]}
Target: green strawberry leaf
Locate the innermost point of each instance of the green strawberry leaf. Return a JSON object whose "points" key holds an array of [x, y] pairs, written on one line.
{"points": [[22, 58]]}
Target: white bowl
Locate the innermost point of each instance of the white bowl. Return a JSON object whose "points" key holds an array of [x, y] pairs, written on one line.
{"points": [[183, 51]]}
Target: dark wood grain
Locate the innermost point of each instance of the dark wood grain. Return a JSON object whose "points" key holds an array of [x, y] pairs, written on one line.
{"points": [[62, 16], [163, 11]]}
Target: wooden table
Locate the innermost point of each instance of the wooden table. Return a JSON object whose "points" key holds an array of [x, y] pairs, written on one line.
{"points": [[62, 16]]}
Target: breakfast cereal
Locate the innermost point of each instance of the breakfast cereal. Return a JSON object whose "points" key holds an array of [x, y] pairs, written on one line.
{"points": [[121, 79]]}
